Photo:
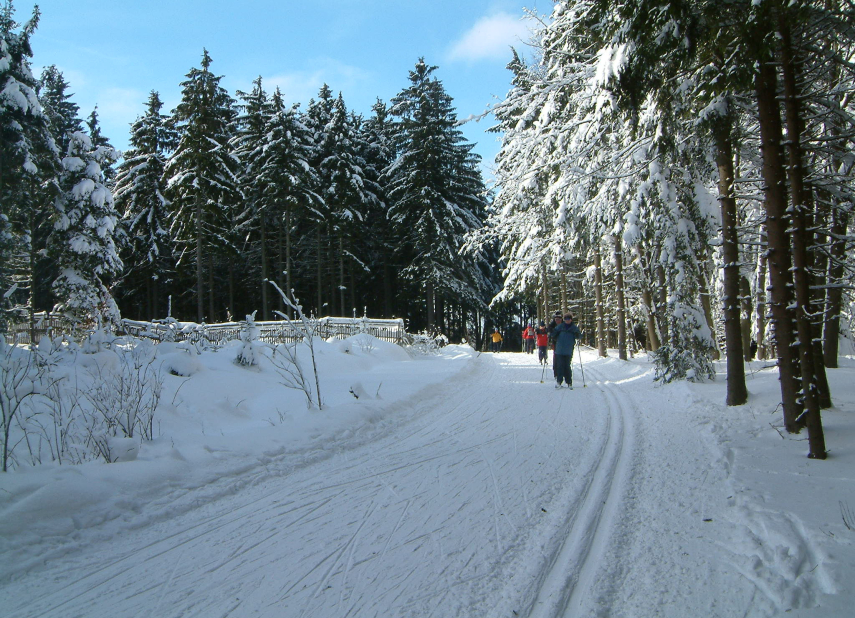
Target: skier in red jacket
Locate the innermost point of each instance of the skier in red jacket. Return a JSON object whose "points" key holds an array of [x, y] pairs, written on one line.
{"points": [[542, 336]]}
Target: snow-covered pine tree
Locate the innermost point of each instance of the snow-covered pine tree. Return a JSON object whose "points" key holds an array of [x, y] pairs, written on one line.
{"points": [[344, 190], [287, 184], [377, 150], [139, 197], [60, 109], [202, 182], [27, 173], [99, 139], [435, 194], [82, 238], [316, 119]]}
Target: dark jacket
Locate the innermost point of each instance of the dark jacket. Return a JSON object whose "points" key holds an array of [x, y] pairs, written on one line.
{"points": [[564, 335]]}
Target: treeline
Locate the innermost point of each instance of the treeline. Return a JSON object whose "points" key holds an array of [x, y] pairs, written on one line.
{"points": [[226, 193], [684, 169]]}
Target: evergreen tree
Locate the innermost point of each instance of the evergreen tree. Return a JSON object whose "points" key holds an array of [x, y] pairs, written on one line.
{"points": [[201, 172], [60, 109], [435, 194], [99, 139], [82, 239], [139, 197], [27, 173], [287, 186]]}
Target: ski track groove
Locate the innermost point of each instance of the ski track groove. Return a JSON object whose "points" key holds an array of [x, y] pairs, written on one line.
{"points": [[439, 452], [565, 586]]}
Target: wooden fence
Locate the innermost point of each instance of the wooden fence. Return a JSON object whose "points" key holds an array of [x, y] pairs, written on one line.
{"points": [[268, 332]]}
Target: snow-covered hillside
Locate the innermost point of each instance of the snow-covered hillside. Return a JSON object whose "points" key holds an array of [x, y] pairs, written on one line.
{"points": [[449, 485]]}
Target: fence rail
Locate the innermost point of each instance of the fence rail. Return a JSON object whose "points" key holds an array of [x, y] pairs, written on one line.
{"points": [[269, 332]]}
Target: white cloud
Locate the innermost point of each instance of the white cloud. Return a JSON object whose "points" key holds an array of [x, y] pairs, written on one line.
{"points": [[300, 86], [490, 38]]}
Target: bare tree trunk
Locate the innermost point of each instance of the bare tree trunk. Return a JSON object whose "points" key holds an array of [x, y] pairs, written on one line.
{"points": [[661, 313], [745, 321], [200, 279], [621, 302], [320, 278], [779, 258], [265, 303], [737, 393], [834, 302], [341, 287], [760, 305], [564, 304], [810, 387], [430, 306], [598, 290], [211, 312]]}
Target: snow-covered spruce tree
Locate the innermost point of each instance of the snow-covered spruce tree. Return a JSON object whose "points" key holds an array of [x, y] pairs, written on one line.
{"points": [[99, 139], [201, 172], [27, 174], [436, 197], [345, 191], [248, 142], [288, 185], [139, 197], [317, 119], [81, 241], [60, 109], [377, 150]]}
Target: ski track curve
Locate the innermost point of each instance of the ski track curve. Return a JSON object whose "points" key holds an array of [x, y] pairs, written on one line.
{"points": [[508, 498]]}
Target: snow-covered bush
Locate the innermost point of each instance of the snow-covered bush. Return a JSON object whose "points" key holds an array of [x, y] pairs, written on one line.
{"points": [[124, 396], [688, 353], [248, 355], [21, 378], [426, 344], [285, 357]]}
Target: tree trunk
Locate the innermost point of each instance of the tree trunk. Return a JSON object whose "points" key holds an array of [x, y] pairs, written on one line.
{"points": [[834, 297], [320, 278], [779, 260], [737, 393], [810, 387], [341, 287], [745, 321], [598, 290], [200, 279], [760, 304], [430, 306], [661, 313], [211, 312], [621, 302], [265, 305]]}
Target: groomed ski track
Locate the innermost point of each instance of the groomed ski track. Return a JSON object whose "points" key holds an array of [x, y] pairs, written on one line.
{"points": [[492, 494]]}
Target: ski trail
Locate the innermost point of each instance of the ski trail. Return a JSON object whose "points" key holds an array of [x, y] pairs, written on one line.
{"points": [[587, 528]]}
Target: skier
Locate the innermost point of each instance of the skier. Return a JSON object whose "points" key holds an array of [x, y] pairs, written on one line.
{"points": [[528, 339], [542, 336], [497, 340], [556, 320], [564, 337]]}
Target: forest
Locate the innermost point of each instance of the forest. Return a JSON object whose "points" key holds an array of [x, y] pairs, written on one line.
{"points": [[353, 216], [678, 174]]}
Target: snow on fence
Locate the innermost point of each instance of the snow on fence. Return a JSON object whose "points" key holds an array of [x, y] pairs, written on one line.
{"points": [[269, 332]]}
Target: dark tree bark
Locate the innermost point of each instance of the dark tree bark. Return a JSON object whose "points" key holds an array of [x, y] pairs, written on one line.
{"points": [[621, 302], [810, 388], [834, 297], [598, 291], [778, 238], [737, 393]]}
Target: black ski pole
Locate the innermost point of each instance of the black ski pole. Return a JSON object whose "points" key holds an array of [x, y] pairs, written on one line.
{"points": [[582, 367]]}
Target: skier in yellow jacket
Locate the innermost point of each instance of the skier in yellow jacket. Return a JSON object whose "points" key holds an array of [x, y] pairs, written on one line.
{"points": [[497, 340]]}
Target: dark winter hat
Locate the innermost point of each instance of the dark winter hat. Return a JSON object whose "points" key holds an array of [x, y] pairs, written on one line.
{"points": [[557, 314], [543, 323], [568, 316]]}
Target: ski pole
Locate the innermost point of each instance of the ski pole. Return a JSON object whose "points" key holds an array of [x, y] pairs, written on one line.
{"points": [[582, 368], [542, 371]]}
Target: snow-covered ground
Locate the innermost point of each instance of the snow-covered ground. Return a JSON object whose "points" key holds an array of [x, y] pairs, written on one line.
{"points": [[455, 485]]}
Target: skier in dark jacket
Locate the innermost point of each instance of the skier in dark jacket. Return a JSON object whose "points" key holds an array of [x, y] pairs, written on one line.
{"points": [[564, 335], [556, 320]]}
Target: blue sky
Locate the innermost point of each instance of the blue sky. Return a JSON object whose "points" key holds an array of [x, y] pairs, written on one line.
{"points": [[113, 52]]}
